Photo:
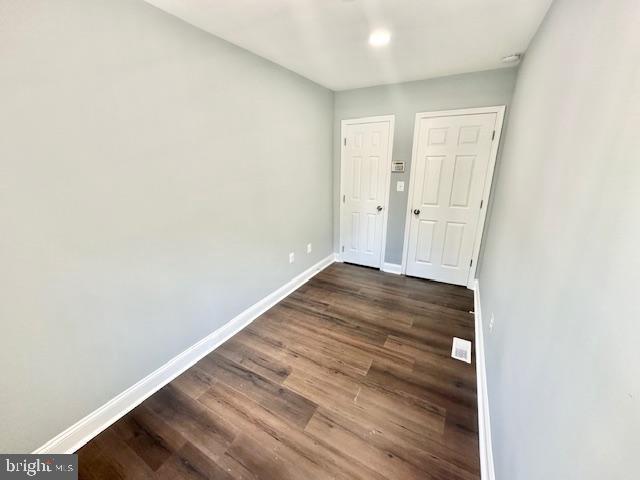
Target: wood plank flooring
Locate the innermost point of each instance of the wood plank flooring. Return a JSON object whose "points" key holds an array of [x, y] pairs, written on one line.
{"points": [[350, 377]]}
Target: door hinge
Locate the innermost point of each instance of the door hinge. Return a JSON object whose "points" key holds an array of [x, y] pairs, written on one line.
{"points": [[344, 198], [343, 248], [481, 203], [493, 136], [471, 263], [344, 142]]}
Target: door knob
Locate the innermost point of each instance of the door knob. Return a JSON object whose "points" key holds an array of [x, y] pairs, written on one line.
{"points": [[379, 208], [416, 212]]}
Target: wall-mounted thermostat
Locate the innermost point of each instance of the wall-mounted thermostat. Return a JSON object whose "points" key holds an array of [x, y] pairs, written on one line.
{"points": [[397, 167]]}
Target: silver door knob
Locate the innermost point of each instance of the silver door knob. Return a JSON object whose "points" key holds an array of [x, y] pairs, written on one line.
{"points": [[379, 208], [416, 212]]}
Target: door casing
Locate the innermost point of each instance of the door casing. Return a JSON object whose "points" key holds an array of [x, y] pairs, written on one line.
{"points": [[499, 110], [387, 182]]}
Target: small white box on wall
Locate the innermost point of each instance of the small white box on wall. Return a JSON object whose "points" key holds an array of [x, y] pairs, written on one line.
{"points": [[397, 167]]}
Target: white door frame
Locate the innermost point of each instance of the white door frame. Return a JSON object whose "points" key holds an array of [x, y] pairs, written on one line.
{"points": [[391, 119], [499, 111]]}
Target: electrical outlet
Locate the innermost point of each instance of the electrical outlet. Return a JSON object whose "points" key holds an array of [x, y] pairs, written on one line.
{"points": [[292, 257], [400, 186], [309, 248], [491, 322]]}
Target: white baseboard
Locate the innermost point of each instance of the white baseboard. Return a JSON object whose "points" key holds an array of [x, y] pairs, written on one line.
{"points": [[487, 471], [338, 257], [391, 268], [84, 430]]}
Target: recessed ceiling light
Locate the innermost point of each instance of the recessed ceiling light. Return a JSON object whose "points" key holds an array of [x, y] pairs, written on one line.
{"points": [[515, 57], [379, 38]]}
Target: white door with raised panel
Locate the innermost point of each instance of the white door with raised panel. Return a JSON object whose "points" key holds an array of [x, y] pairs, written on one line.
{"points": [[452, 156], [366, 165]]}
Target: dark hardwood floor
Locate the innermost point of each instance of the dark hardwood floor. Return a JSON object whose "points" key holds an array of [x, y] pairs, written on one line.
{"points": [[350, 377]]}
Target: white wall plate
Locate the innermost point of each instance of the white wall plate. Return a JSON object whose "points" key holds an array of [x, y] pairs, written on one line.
{"points": [[461, 349]]}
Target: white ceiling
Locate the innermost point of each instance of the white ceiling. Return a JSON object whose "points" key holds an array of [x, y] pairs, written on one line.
{"points": [[327, 40]]}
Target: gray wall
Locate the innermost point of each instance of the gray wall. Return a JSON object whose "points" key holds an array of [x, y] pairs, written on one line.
{"points": [[561, 264], [479, 89], [153, 180]]}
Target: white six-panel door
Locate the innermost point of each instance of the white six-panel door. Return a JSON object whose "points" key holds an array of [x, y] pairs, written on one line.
{"points": [[449, 170], [366, 165]]}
